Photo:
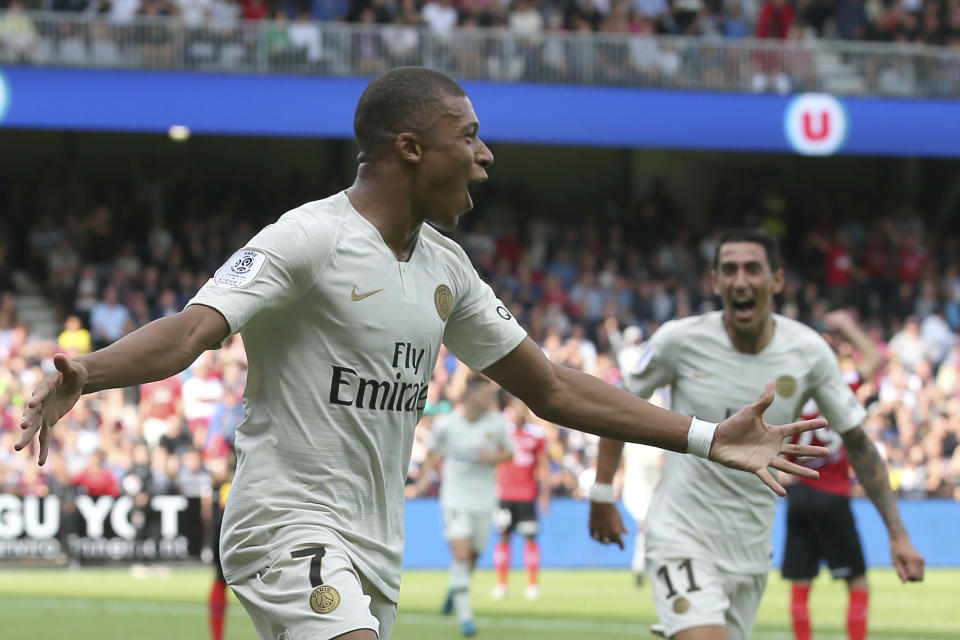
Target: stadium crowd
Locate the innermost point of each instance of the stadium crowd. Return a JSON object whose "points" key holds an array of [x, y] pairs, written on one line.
{"points": [[500, 40], [934, 22], [587, 291]]}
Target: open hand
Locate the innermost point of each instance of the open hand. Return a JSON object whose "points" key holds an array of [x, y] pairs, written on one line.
{"points": [[51, 400], [744, 441]]}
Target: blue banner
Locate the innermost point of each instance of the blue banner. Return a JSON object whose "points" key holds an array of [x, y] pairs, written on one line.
{"points": [[314, 106], [564, 542]]}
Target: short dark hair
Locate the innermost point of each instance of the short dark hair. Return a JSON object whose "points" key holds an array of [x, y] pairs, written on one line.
{"points": [[750, 234], [399, 100], [475, 382]]}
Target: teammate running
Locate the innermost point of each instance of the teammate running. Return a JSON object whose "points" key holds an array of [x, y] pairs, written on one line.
{"points": [[471, 443], [709, 530]]}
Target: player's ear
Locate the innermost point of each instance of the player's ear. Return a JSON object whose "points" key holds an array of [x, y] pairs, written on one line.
{"points": [[713, 281], [409, 146], [779, 279]]}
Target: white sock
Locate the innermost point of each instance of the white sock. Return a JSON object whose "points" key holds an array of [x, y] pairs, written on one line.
{"points": [[638, 552], [460, 588]]}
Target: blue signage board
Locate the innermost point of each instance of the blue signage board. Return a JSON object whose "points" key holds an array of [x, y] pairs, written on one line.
{"points": [[566, 543], [322, 107]]}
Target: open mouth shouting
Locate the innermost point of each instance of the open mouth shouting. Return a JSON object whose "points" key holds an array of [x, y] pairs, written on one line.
{"points": [[743, 309]]}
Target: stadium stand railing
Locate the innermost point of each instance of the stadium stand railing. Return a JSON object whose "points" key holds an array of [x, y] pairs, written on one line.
{"points": [[339, 49]]}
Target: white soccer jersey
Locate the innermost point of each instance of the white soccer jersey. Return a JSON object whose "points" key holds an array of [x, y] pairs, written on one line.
{"points": [[341, 339], [468, 483], [701, 507]]}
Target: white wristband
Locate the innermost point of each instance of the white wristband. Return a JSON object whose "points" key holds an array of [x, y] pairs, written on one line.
{"points": [[700, 437], [602, 493]]}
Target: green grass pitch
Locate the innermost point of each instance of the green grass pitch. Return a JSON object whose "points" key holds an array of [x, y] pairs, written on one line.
{"points": [[112, 604]]}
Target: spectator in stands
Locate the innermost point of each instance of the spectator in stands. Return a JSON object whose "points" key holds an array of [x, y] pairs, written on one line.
{"points": [[161, 409], [838, 266], [254, 9], [193, 480], [194, 13], [227, 416], [687, 17], [306, 41], [108, 319], [120, 12], [851, 19], [18, 34], [776, 18], [96, 480], [734, 24], [275, 43], [908, 345], [201, 395], [402, 39], [74, 339], [651, 10], [367, 48], [441, 17]]}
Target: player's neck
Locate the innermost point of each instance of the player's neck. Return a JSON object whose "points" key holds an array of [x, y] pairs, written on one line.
{"points": [[750, 342], [472, 415], [387, 205]]}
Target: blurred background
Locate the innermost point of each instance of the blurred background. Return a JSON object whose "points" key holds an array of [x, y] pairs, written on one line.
{"points": [[143, 141]]}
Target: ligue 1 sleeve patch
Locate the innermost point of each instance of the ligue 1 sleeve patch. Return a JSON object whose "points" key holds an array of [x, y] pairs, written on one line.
{"points": [[241, 269]]}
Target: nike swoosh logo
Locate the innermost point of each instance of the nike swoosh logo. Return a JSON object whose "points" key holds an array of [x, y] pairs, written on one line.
{"points": [[356, 296], [699, 375]]}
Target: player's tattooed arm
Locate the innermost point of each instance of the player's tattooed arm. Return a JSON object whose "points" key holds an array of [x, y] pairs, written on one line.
{"points": [[872, 473]]}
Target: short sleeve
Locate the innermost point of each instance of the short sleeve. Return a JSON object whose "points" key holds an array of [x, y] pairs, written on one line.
{"points": [[275, 268], [655, 366], [480, 330], [836, 400]]}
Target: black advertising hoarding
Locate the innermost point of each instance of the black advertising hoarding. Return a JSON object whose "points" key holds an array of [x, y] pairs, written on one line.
{"points": [[104, 529]]}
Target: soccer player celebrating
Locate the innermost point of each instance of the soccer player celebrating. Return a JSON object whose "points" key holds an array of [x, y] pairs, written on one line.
{"points": [[708, 530], [820, 523], [472, 442], [343, 304], [519, 483]]}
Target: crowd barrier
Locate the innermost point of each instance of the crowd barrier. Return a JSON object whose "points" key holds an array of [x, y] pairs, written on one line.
{"points": [[554, 56]]}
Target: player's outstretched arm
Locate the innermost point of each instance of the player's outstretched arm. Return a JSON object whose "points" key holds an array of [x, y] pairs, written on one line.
{"points": [[606, 524], [152, 352], [580, 401], [872, 473]]}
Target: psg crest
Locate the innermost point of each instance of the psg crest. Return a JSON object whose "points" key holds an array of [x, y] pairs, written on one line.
{"points": [[443, 299], [324, 599]]}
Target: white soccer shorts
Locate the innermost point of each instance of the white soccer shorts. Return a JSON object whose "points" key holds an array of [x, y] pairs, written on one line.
{"points": [[691, 592], [314, 593], [462, 523]]}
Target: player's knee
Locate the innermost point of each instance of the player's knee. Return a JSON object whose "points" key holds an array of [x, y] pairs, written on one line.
{"points": [[708, 632], [858, 583], [358, 634]]}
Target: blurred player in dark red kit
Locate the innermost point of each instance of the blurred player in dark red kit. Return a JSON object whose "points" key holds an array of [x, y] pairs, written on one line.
{"points": [[521, 482], [820, 524], [217, 600]]}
